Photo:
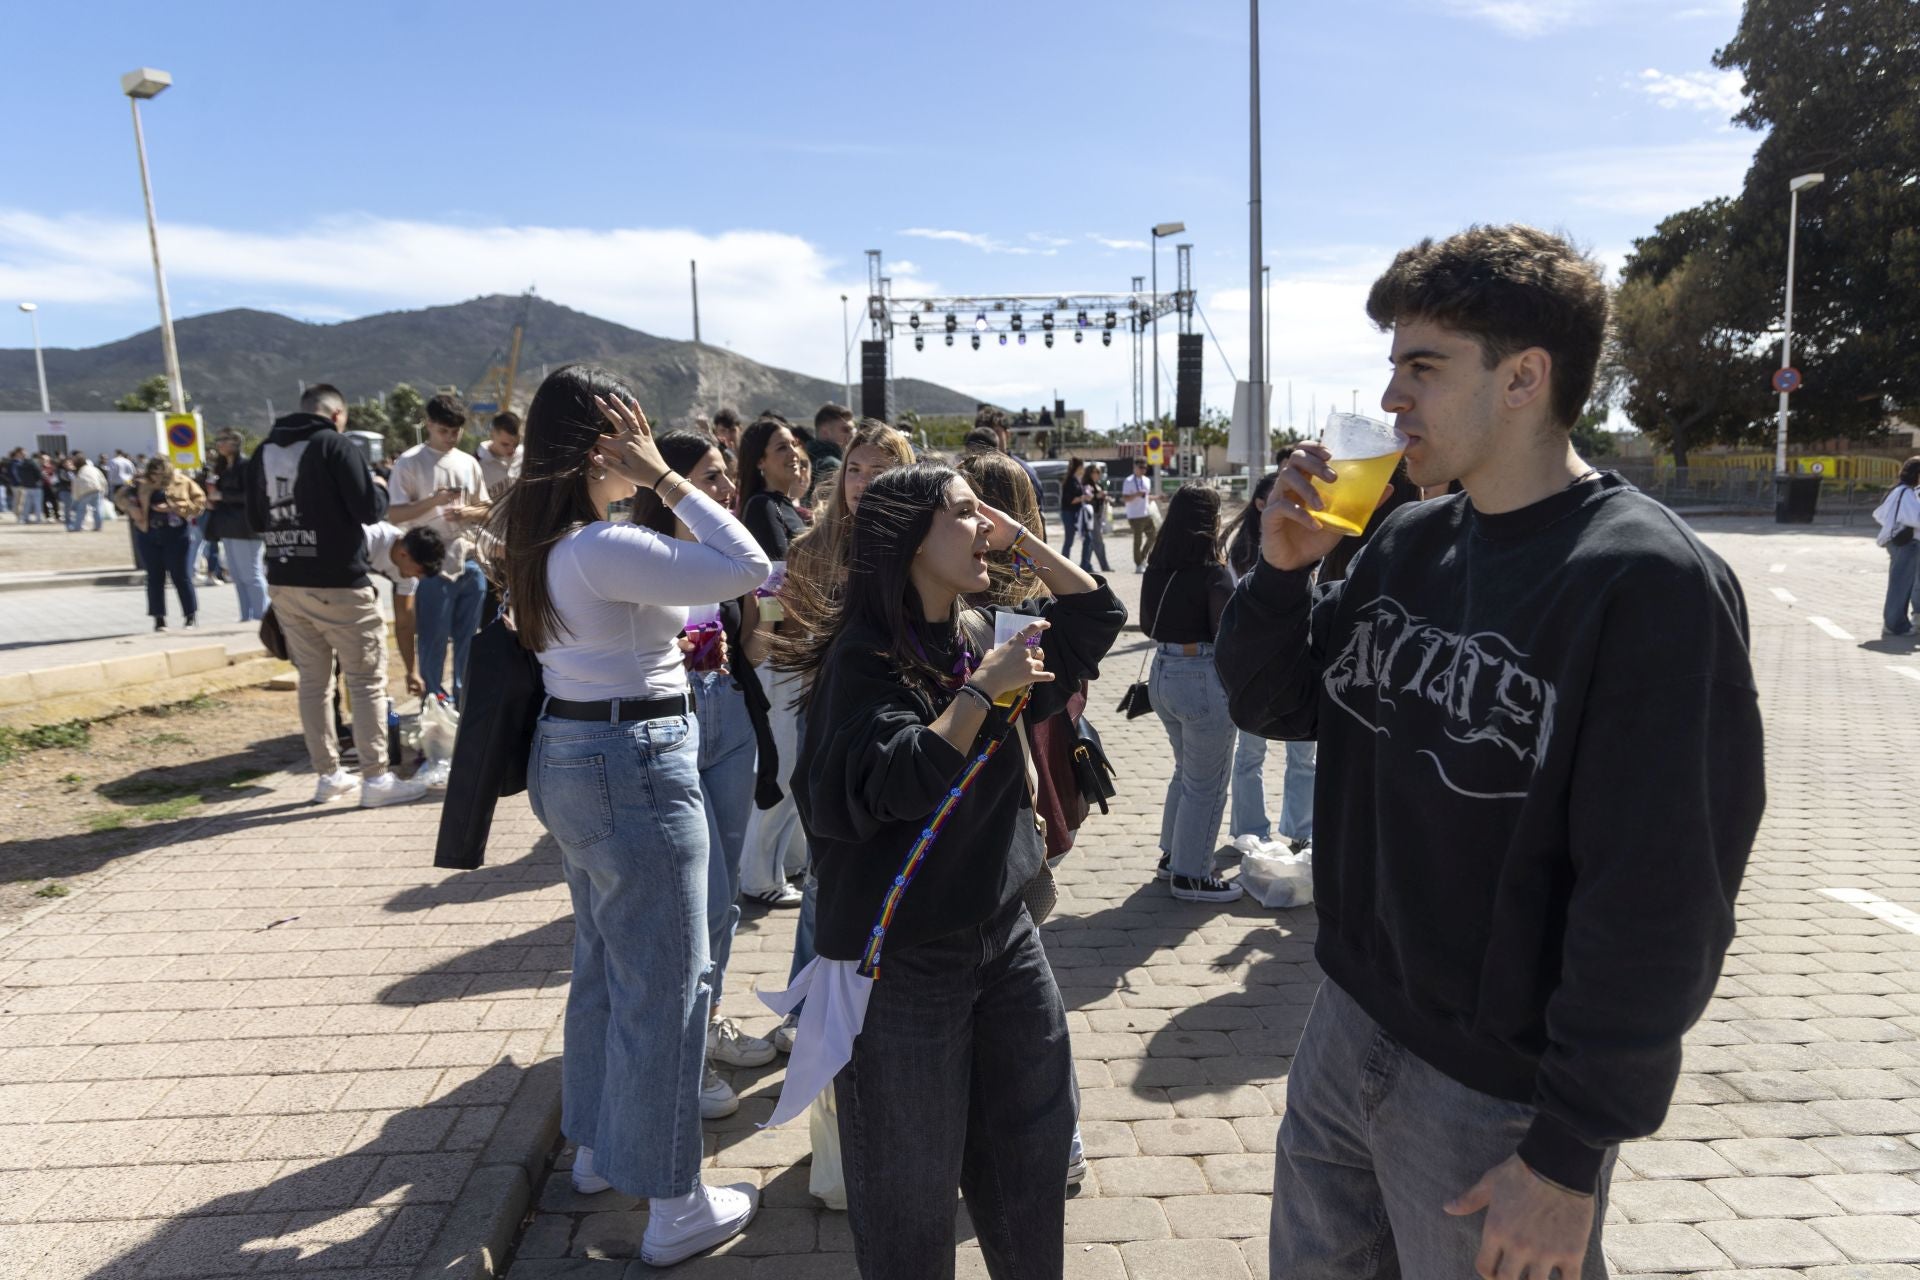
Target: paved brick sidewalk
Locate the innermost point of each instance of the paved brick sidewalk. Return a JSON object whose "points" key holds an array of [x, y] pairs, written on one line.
{"points": [[188, 1092]]}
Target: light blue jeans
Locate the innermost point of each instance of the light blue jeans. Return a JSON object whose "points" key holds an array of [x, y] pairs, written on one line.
{"points": [[448, 610], [727, 760], [1249, 790], [1903, 589], [78, 510], [1374, 1141], [623, 802], [247, 567], [775, 843], [1192, 705]]}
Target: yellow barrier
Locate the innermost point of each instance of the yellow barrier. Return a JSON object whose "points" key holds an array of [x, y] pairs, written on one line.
{"points": [[1710, 470]]}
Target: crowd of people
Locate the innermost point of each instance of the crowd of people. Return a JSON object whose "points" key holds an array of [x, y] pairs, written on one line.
{"points": [[790, 666]]}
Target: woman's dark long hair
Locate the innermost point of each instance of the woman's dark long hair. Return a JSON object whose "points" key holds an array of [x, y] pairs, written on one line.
{"points": [[683, 448], [1243, 546], [550, 499], [753, 448], [895, 513], [1910, 472], [1191, 535]]}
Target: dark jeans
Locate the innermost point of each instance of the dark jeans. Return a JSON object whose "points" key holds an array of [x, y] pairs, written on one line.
{"points": [[163, 550], [961, 1077], [1071, 519]]}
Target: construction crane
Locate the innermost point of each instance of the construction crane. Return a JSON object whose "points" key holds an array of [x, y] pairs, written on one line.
{"points": [[492, 391]]}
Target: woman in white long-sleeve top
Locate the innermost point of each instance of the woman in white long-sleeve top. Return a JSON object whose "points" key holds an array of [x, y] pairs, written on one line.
{"points": [[614, 776]]}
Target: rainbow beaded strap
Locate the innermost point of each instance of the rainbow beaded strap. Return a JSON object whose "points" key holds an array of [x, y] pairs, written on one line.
{"points": [[917, 855]]}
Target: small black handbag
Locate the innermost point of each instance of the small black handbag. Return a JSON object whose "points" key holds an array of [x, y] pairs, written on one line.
{"points": [[1137, 702], [1093, 773]]}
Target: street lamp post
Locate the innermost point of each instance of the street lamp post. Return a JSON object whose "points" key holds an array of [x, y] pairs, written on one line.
{"points": [[1259, 440], [846, 350], [148, 83], [1805, 182], [1160, 232], [39, 364]]}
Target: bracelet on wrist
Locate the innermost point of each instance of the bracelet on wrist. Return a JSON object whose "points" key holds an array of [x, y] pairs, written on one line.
{"points": [[986, 699], [1023, 564]]}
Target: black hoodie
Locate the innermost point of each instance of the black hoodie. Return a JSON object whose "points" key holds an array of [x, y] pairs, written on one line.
{"points": [[309, 492], [1540, 777]]}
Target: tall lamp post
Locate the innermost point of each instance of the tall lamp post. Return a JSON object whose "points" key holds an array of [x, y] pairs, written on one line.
{"points": [[846, 349], [1259, 441], [1160, 233], [1805, 182], [149, 83], [39, 364]]}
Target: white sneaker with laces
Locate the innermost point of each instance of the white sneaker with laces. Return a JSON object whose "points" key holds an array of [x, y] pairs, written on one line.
{"points": [[680, 1226], [584, 1179], [783, 1034], [785, 896], [334, 785], [377, 793], [717, 1099], [729, 1046]]}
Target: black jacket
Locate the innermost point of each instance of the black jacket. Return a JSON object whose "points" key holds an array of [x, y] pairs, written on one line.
{"points": [[498, 713], [309, 493], [227, 518], [1540, 777]]}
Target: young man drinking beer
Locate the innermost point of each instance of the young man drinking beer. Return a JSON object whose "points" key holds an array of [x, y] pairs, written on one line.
{"points": [[1540, 777]]}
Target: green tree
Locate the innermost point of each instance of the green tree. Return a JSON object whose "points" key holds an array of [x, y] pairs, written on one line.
{"points": [[151, 396], [405, 410], [369, 415]]}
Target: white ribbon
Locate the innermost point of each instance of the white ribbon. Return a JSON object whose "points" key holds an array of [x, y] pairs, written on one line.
{"points": [[836, 996]]}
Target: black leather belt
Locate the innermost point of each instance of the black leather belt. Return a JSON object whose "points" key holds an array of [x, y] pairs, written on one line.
{"points": [[619, 710]]}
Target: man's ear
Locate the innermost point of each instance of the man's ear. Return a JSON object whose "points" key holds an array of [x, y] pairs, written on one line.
{"points": [[1530, 379]]}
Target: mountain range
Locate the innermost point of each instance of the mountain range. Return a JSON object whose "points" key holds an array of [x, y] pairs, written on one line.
{"points": [[235, 362]]}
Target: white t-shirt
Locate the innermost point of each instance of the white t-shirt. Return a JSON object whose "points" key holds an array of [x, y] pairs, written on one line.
{"points": [[499, 472], [380, 540], [1138, 491], [120, 470], [622, 592], [422, 470]]}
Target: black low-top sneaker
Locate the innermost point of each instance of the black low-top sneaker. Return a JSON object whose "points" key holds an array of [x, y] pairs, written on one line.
{"points": [[1203, 889], [1165, 868]]}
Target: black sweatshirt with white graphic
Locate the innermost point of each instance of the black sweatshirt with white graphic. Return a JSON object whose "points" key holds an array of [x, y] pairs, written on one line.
{"points": [[310, 494], [1540, 776]]}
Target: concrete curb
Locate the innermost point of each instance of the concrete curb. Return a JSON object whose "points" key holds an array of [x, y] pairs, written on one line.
{"points": [[75, 578], [96, 690], [484, 1223]]}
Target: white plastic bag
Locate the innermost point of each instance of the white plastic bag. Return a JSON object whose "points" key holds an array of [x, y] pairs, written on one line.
{"points": [[1277, 880], [825, 1178], [439, 725]]}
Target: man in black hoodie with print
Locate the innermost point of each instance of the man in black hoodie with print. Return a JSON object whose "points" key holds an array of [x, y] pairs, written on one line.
{"points": [[1540, 778], [310, 492]]}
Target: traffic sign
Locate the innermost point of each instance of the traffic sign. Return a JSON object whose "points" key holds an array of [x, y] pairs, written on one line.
{"points": [[1156, 449], [183, 440], [1786, 380]]}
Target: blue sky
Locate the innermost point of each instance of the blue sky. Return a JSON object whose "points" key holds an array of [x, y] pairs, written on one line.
{"points": [[333, 161]]}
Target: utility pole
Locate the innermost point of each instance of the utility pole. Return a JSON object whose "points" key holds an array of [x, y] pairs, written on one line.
{"points": [[1258, 438], [695, 266], [147, 83]]}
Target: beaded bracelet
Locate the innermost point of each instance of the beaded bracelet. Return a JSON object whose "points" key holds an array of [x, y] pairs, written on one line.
{"points": [[1023, 564]]}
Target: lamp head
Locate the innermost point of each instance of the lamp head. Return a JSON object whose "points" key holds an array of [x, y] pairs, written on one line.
{"points": [[1806, 182], [144, 82], [29, 306], [1169, 228]]}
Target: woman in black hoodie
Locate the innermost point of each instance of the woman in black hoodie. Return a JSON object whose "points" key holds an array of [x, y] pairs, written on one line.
{"points": [[960, 1075]]}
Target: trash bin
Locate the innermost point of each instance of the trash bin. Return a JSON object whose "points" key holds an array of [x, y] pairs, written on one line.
{"points": [[1795, 499]]}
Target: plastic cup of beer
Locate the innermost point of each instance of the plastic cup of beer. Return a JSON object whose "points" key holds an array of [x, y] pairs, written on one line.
{"points": [[1365, 452]]}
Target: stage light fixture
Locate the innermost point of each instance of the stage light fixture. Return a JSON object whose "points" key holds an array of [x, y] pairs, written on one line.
{"points": [[976, 342], [1023, 339], [1003, 339], [1016, 322], [953, 322], [1082, 319], [1079, 336], [1049, 340], [913, 321], [919, 342], [1113, 318], [949, 339], [980, 323], [1106, 338], [1046, 321]]}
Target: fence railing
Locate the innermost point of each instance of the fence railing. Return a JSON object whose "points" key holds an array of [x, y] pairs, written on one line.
{"points": [[1722, 488]]}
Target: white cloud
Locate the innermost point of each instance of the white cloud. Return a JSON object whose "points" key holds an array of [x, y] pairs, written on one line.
{"points": [[1720, 92], [347, 266], [1523, 18], [978, 240], [1111, 243], [1651, 182]]}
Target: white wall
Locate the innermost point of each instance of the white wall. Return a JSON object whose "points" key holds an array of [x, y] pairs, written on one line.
{"points": [[97, 433]]}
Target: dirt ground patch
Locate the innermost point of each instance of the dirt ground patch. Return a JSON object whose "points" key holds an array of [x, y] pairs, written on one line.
{"points": [[48, 547], [80, 798]]}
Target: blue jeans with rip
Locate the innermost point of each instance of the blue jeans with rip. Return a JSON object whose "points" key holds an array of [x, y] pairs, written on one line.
{"points": [[960, 1080], [1903, 589], [448, 610], [1192, 706], [623, 803], [727, 759], [1373, 1142]]}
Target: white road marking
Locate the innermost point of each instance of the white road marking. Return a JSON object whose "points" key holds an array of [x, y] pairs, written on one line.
{"points": [[1832, 628], [1874, 905], [1911, 673], [1776, 568], [1783, 595]]}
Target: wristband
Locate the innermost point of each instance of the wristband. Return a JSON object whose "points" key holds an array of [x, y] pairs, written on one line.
{"points": [[1023, 564], [986, 701]]}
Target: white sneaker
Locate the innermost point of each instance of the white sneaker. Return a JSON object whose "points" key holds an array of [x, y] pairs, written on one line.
{"points": [[681, 1226], [783, 1034], [433, 775], [334, 785], [729, 1046], [717, 1099], [785, 896], [584, 1179], [377, 793]]}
